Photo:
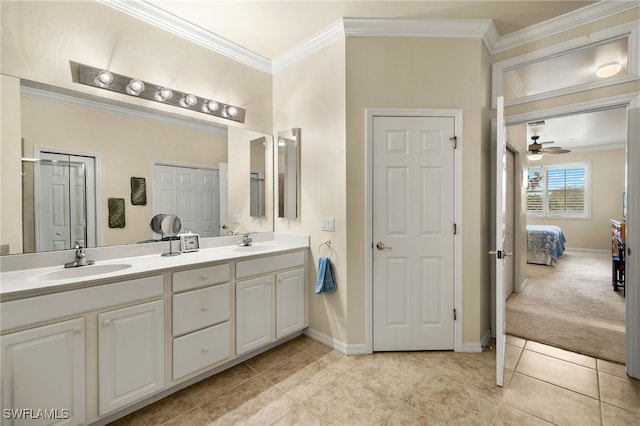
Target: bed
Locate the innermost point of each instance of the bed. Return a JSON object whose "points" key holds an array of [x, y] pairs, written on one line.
{"points": [[545, 244]]}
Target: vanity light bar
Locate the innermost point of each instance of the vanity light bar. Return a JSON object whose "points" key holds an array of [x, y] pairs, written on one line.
{"points": [[119, 83]]}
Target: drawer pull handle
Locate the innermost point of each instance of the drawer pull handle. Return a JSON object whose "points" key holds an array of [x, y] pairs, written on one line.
{"points": [[205, 350], [106, 322], [77, 330], [204, 308], [204, 276]]}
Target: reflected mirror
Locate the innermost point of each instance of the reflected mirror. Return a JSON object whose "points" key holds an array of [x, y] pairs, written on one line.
{"points": [[179, 166], [289, 173], [257, 175]]}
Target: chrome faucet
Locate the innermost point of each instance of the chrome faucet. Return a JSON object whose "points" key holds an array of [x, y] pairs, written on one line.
{"points": [[246, 240], [81, 258]]}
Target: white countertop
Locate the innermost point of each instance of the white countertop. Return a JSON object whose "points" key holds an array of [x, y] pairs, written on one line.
{"points": [[31, 282]]}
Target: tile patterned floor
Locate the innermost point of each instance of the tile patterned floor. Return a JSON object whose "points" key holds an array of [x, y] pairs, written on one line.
{"points": [[303, 382]]}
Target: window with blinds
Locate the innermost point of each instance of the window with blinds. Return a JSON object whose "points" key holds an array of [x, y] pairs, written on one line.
{"points": [[559, 190]]}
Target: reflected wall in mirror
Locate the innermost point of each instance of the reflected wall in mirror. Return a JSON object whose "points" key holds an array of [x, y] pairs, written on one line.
{"points": [[289, 173], [122, 142], [257, 177]]}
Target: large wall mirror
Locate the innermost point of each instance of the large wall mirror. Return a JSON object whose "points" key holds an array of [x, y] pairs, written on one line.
{"points": [[258, 177], [289, 173], [96, 173]]}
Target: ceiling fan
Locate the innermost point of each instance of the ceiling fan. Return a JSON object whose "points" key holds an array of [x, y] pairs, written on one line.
{"points": [[535, 150]]}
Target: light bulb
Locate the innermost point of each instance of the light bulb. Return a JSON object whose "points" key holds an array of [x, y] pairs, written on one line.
{"points": [[534, 157], [210, 106], [135, 87], [188, 101], [232, 111], [104, 78], [163, 94]]}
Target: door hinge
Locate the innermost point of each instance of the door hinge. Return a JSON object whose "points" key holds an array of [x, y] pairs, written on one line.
{"points": [[455, 314], [455, 141], [455, 228]]}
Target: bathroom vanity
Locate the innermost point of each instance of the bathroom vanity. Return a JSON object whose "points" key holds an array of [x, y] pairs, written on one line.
{"points": [[90, 345]]}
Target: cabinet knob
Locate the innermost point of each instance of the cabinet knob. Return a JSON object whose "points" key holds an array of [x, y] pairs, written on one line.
{"points": [[204, 276], [205, 350], [77, 330], [204, 308], [106, 322]]}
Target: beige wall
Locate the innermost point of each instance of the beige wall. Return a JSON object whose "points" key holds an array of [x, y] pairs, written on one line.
{"points": [[607, 185], [421, 73], [127, 146], [311, 95]]}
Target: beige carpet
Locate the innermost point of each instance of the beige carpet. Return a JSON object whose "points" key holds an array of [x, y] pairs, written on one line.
{"points": [[571, 306]]}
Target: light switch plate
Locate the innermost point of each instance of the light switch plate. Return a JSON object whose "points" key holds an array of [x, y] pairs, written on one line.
{"points": [[236, 219], [328, 224]]}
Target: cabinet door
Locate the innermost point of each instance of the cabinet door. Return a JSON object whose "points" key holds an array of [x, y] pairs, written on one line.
{"points": [[289, 302], [131, 354], [43, 369], [253, 313]]}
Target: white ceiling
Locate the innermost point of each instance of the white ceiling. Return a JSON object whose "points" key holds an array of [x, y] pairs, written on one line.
{"points": [[270, 28], [593, 130]]}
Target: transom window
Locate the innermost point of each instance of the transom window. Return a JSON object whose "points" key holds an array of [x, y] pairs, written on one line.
{"points": [[559, 191]]}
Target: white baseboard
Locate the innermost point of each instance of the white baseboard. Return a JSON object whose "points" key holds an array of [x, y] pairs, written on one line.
{"points": [[361, 348], [358, 349]]}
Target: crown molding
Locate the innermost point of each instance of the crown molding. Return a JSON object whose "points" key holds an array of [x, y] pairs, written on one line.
{"points": [[157, 17], [321, 39], [576, 18], [357, 27], [77, 99], [444, 28]]}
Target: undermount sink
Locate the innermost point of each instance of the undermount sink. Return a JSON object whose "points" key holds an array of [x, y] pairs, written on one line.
{"points": [[81, 271]]}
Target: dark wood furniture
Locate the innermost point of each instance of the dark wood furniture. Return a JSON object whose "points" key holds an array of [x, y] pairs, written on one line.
{"points": [[618, 229]]}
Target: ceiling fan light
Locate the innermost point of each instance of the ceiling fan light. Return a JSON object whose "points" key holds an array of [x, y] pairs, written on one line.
{"points": [[608, 70], [534, 156]]}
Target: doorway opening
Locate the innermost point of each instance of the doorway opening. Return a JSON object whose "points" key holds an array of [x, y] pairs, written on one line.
{"points": [[567, 297]]}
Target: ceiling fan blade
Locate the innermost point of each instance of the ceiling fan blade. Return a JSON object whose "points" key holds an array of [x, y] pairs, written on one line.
{"points": [[546, 142], [553, 148]]}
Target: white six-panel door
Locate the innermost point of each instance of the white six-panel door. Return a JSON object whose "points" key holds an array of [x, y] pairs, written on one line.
{"points": [[413, 233]]}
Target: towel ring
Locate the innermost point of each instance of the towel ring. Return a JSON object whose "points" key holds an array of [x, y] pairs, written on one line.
{"points": [[328, 244]]}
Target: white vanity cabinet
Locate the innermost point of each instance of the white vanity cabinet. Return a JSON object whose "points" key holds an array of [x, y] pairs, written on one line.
{"points": [[201, 318], [44, 368], [271, 303], [50, 362], [253, 313], [130, 354], [290, 302]]}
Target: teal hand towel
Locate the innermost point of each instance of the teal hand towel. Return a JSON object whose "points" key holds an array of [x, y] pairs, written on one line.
{"points": [[325, 282]]}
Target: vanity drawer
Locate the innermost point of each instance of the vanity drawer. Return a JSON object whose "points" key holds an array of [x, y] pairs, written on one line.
{"points": [[200, 308], [201, 349], [200, 277], [265, 265]]}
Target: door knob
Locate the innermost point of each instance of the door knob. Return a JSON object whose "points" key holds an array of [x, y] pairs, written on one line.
{"points": [[381, 246]]}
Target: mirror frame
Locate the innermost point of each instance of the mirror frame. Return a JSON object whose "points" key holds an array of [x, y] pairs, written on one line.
{"points": [[292, 134]]}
